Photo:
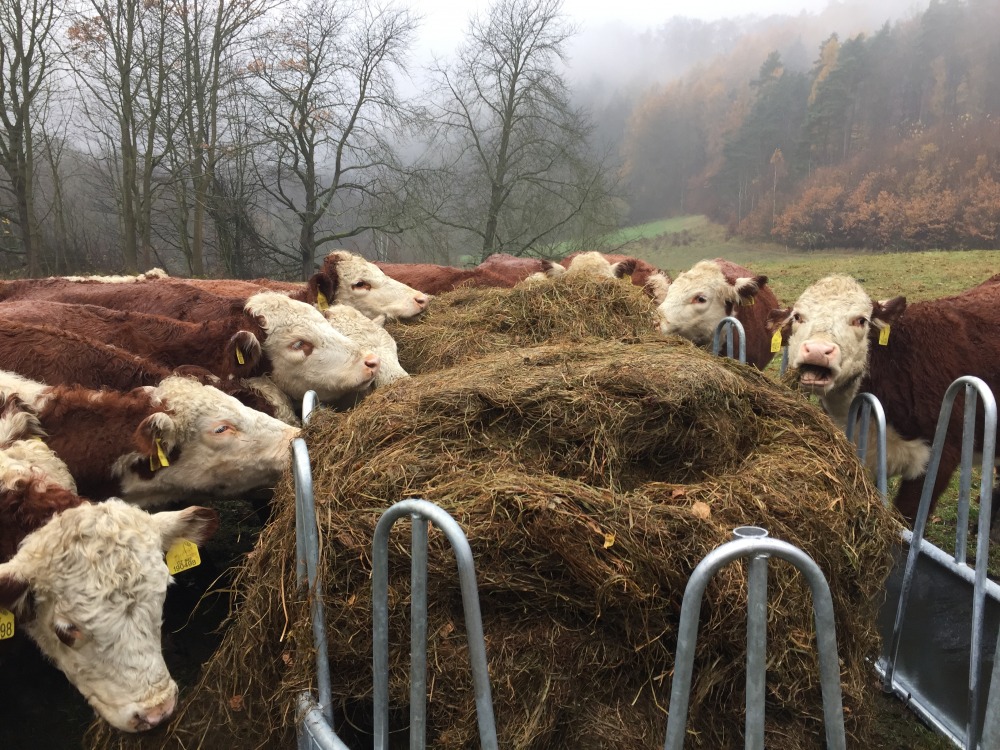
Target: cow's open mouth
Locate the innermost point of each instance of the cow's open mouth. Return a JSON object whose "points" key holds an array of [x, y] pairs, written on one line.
{"points": [[814, 376]]}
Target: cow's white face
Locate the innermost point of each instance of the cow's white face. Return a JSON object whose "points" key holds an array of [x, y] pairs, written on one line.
{"points": [[307, 353], [88, 588], [593, 263], [698, 299], [371, 336], [364, 286], [214, 445]]}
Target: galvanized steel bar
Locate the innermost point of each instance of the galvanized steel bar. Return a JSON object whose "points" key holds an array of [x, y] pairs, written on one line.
{"points": [[862, 407], [784, 360], [991, 726], [970, 386], [826, 636], [470, 602], [418, 633], [729, 323], [314, 732], [305, 514], [309, 402], [756, 678]]}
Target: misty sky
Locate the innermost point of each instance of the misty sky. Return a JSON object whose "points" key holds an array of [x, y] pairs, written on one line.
{"points": [[446, 20]]}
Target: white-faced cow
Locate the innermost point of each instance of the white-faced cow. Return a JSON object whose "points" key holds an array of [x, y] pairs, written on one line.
{"points": [[161, 444], [842, 342], [694, 304], [370, 335], [349, 279]]}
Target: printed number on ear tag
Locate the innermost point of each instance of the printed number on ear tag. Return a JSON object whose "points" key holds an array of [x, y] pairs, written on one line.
{"points": [[182, 556], [6, 624]]}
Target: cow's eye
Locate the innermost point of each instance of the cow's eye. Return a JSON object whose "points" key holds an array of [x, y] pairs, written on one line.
{"points": [[361, 285], [699, 299], [67, 632], [302, 346], [860, 322], [222, 428]]}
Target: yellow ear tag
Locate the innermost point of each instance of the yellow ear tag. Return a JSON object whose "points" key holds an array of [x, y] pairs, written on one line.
{"points": [[883, 336], [160, 454], [776, 342], [6, 624], [239, 356], [321, 301], [182, 556]]}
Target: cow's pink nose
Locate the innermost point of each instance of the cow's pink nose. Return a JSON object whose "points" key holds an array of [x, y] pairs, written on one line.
{"points": [[421, 300], [156, 715], [373, 362], [823, 348]]}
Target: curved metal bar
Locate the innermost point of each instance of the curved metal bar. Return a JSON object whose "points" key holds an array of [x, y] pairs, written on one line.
{"points": [[307, 566], [784, 361], [865, 404], [728, 324], [970, 386], [309, 403], [826, 636], [422, 509]]}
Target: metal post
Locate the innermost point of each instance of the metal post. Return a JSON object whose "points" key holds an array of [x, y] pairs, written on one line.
{"points": [[756, 639], [729, 323], [859, 414]]}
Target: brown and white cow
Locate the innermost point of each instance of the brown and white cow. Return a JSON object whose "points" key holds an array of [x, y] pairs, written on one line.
{"points": [[842, 342], [349, 279], [593, 263], [274, 336], [694, 304], [498, 270], [87, 585], [86, 581], [639, 271], [161, 444], [370, 335]]}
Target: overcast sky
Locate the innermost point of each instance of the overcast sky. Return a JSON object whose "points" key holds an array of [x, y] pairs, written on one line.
{"points": [[445, 21]]}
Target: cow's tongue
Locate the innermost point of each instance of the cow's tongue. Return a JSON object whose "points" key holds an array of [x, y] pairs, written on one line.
{"points": [[813, 375]]}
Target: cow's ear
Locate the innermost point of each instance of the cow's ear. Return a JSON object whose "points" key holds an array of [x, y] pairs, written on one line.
{"points": [[13, 588], [321, 289], [195, 523], [552, 270], [623, 268], [156, 437], [656, 287], [888, 311], [747, 287], [779, 318], [243, 354]]}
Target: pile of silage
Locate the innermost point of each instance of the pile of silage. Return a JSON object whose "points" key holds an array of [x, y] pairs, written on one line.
{"points": [[590, 480], [468, 323]]}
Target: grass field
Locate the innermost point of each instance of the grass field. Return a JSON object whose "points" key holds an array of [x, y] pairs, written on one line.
{"points": [[675, 245]]}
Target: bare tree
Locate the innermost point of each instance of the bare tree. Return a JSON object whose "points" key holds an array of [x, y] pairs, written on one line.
{"points": [[27, 51], [119, 54], [517, 170], [328, 110], [210, 41]]}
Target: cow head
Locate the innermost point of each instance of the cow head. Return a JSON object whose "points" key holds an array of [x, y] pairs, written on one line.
{"points": [[204, 441], [595, 264], [371, 335], [307, 353], [698, 299], [830, 330], [88, 587], [349, 279]]}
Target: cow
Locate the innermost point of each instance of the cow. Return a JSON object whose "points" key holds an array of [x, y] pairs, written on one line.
{"points": [[87, 585], [841, 343], [349, 279], [639, 271], [694, 304], [288, 341], [370, 334], [498, 270], [157, 445], [58, 357], [593, 263]]}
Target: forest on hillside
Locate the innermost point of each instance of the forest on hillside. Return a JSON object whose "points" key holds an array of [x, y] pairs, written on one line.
{"points": [[888, 140]]}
